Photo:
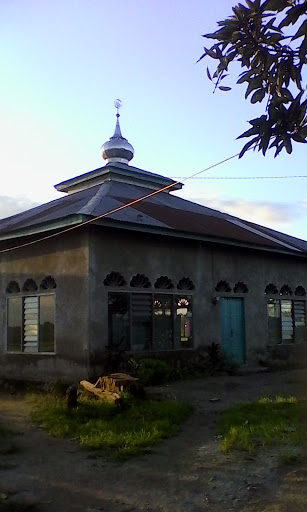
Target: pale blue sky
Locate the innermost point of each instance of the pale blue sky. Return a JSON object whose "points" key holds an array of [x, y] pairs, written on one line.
{"points": [[64, 62]]}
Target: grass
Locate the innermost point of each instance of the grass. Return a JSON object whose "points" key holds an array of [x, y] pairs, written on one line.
{"points": [[265, 422], [290, 455], [119, 431], [4, 432]]}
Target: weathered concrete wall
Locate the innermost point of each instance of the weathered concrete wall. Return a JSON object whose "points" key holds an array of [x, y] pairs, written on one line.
{"points": [[66, 259], [79, 263], [257, 269], [132, 253], [205, 264]]}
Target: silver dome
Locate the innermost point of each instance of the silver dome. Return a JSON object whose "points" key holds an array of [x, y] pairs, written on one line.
{"points": [[117, 149]]}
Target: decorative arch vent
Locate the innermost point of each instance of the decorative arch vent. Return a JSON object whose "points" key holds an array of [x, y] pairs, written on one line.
{"points": [[185, 284], [285, 290], [13, 287], [240, 287], [48, 283], [29, 286], [140, 281], [222, 286], [114, 279], [164, 282], [271, 289], [300, 291], [182, 303]]}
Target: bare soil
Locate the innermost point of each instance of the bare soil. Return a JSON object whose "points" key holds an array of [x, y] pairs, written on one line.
{"points": [[186, 473]]}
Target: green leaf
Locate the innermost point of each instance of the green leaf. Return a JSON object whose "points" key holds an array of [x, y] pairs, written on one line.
{"points": [[255, 83], [208, 74], [275, 5], [224, 88], [211, 53], [250, 4], [249, 133], [258, 96], [245, 76], [287, 94], [297, 138], [248, 145], [302, 31], [287, 142], [303, 51], [303, 132], [200, 58]]}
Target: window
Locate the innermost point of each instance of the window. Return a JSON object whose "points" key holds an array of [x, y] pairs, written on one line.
{"points": [[119, 319], [30, 323], [286, 321], [183, 322], [142, 321]]}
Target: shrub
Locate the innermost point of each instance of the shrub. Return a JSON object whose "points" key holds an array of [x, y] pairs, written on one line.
{"points": [[153, 372]]}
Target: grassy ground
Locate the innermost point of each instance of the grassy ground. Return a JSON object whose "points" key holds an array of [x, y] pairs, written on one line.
{"points": [[266, 422], [122, 431]]}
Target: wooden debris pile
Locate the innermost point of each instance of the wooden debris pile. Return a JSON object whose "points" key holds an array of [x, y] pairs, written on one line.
{"points": [[110, 386]]}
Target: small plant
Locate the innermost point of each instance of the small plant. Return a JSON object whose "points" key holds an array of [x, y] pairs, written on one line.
{"points": [[134, 366], [153, 372], [214, 353]]}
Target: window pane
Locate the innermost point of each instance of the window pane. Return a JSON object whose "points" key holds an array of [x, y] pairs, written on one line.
{"points": [[119, 320], [274, 325], [30, 325], [183, 322], [46, 323], [299, 321], [14, 324], [163, 322], [286, 321], [141, 311]]}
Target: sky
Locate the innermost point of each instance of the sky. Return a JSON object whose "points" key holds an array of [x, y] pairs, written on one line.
{"points": [[64, 62]]}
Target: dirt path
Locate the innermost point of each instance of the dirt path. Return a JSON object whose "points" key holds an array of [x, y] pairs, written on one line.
{"points": [[186, 473]]}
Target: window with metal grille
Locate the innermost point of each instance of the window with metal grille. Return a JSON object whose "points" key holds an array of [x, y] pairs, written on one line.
{"points": [[150, 321], [286, 321], [30, 324]]}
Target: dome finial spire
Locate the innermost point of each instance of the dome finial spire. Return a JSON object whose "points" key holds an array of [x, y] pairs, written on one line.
{"points": [[117, 149], [118, 104], [117, 132]]}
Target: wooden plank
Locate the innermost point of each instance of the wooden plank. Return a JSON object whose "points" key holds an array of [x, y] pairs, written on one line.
{"points": [[104, 395]]}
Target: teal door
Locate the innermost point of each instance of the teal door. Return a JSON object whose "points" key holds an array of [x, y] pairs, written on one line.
{"points": [[233, 330]]}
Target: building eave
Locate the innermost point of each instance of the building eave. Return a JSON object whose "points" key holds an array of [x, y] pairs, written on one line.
{"points": [[43, 227], [117, 172], [79, 219], [197, 237]]}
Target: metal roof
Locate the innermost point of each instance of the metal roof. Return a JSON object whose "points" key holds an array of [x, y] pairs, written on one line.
{"points": [[164, 213]]}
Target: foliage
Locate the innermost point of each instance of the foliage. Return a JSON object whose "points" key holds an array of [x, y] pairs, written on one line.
{"points": [[215, 355], [264, 422], [119, 431], [153, 372], [256, 36], [4, 432]]}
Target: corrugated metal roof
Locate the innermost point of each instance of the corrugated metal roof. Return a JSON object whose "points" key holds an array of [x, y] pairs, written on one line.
{"points": [[161, 211]]}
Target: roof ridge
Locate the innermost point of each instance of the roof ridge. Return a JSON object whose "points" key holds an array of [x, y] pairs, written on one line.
{"points": [[240, 222], [102, 191]]}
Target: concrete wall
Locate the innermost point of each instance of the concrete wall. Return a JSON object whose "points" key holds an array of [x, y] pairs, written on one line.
{"points": [[66, 259], [79, 263], [205, 264]]}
